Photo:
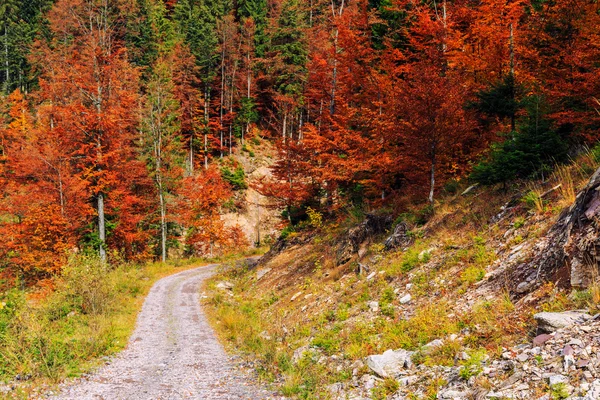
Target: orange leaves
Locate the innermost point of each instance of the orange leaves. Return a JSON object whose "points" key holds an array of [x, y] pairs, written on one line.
{"points": [[78, 142], [200, 200]]}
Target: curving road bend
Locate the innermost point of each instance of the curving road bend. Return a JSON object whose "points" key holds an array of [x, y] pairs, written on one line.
{"points": [[172, 354]]}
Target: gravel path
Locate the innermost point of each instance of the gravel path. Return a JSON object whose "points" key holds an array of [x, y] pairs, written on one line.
{"points": [[173, 353]]}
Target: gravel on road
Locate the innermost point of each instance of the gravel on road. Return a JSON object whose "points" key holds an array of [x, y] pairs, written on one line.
{"points": [[172, 354]]}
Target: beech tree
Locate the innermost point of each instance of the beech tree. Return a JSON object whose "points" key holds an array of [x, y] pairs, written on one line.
{"points": [[86, 62], [200, 199], [34, 231]]}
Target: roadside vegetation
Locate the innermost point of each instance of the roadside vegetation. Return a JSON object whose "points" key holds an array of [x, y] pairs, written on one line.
{"points": [[307, 322], [69, 326]]}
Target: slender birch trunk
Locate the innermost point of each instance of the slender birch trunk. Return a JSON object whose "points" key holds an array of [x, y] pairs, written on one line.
{"points": [[101, 228]]}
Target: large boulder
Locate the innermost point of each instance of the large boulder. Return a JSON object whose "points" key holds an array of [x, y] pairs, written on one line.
{"points": [[391, 363], [399, 238], [552, 321]]}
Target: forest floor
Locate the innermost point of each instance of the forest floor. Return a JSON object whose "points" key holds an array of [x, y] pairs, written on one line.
{"points": [[173, 353]]}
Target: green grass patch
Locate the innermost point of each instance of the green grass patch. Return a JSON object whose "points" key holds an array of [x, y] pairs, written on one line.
{"points": [[90, 314]]}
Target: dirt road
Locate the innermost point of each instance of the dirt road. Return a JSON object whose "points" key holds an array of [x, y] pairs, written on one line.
{"points": [[173, 353]]}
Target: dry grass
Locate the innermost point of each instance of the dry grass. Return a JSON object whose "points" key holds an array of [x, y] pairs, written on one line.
{"points": [[566, 186], [534, 199]]}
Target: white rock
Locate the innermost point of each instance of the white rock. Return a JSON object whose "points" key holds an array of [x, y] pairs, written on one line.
{"points": [[405, 299], [576, 342], [453, 394], [390, 363], [265, 335], [300, 352], [374, 306], [408, 380], [335, 388], [433, 344], [261, 273], [523, 287], [556, 379], [294, 297], [369, 381], [552, 321], [594, 393], [225, 285], [521, 387], [424, 254]]}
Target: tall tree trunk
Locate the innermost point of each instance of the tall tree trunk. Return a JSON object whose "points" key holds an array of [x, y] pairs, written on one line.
{"points": [[221, 99], [334, 75], [206, 117], [300, 125], [61, 194], [205, 150], [101, 227], [512, 73], [163, 225], [161, 197], [191, 154], [335, 50], [230, 145], [258, 222], [432, 174], [249, 77]]}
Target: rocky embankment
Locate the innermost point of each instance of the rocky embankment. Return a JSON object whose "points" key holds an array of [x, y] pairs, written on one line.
{"points": [[561, 362]]}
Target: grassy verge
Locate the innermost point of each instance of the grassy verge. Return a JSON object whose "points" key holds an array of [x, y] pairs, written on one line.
{"points": [[89, 314]]}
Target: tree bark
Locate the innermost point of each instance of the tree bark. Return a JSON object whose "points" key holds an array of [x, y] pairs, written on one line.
{"points": [[206, 117], [101, 228], [163, 226], [512, 73], [432, 174]]}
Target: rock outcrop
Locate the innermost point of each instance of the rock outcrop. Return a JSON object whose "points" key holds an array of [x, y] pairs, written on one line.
{"points": [[399, 237], [569, 253], [565, 362], [351, 242]]}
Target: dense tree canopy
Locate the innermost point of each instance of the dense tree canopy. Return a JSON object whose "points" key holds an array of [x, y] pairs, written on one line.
{"points": [[116, 113]]}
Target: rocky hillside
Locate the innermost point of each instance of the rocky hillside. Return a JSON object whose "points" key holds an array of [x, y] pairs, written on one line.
{"points": [[420, 306], [251, 211]]}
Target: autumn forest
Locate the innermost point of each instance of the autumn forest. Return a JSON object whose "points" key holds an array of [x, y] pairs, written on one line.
{"points": [[117, 116]]}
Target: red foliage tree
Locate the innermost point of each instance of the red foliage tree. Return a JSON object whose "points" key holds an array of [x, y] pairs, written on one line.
{"points": [[200, 200], [86, 66]]}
